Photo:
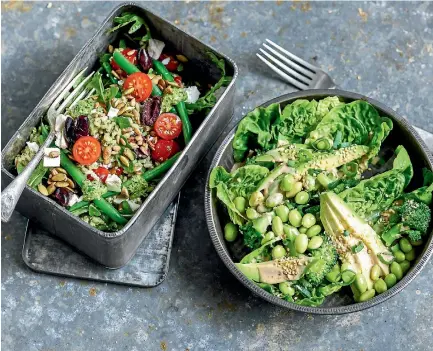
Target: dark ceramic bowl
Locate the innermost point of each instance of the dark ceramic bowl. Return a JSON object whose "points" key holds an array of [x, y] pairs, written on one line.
{"points": [[340, 302]]}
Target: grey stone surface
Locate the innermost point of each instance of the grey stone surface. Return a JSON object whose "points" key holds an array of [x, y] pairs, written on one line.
{"points": [[384, 50]]}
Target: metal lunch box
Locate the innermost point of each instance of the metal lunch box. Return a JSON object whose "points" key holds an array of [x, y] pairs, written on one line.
{"points": [[115, 249]]}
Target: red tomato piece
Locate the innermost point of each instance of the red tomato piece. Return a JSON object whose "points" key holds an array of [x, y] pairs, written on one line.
{"points": [[130, 54], [168, 126], [164, 149], [86, 150], [141, 83], [102, 173], [119, 171], [172, 63], [178, 80]]}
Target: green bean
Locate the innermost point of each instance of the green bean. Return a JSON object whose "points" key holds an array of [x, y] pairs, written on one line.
{"points": [[108, 69], [315, 242], [160, 169], [108, 209], [282, 212], [405, 245], [375, 272], [296, 188], [240, 203], [395, 269], [287, 182], [302, 198], [256, 199], [278, 252], [380, 286], [277, 226], [124, 63], [303, 230], [405, 265], [410, 256], [301, 243], [230, 232], [295, 218], [367, 295], [390, 280], [308, 220], [291, 232], [361, 283], [417, 242], [268, 236], [334, 275], [251, 213], [314, 230], [323, 180], [399, 256], [347, 275], [274, 200], [286, 289]]}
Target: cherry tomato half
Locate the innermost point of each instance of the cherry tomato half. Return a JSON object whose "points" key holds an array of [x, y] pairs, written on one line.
{"points": [[101, 172], [141, 83], [86, 150], [130, 54], [168, 126], [172, 63], [164, 149], [178, 80]]}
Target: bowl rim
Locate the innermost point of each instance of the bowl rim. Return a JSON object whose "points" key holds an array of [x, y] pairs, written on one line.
{"points": [[225, 256]]}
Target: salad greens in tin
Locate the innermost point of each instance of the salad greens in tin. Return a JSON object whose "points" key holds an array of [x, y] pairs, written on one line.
{"points": [[138, 112], [314, 206]]}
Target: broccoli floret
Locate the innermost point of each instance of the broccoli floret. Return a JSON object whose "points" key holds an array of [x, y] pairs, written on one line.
{"points": [[93, 190], [414, 235], [82, 108], [136, 187], [415, 215], [325, 259], [252, 238]]}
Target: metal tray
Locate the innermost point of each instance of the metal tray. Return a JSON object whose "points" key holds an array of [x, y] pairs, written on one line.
{"points": [[116, 249], [341, 302], [148, 267]]}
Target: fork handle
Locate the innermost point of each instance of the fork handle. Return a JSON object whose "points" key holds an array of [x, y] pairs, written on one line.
{"points": [[11, 194]]}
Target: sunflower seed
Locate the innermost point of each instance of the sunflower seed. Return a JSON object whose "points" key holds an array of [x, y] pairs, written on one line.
{"points": [[126, 130], [121, 111], [61, 184], [136, 130], [133, 145], [132, 102], [182, 58], [122, 141], [128, 153], [124, 192], [53, 172], [128, 91], [136, 114], [111, 49], [162, 83], [130, 52], [42, 189], [124, 160], [116, 148], [114, 73], [60, 177]]}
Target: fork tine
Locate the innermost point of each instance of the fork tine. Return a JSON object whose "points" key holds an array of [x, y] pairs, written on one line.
{"points": [[66, 90], [293, 64], [74, 93], [79, 97], [294, 57], [289, 79], [292, 72]]}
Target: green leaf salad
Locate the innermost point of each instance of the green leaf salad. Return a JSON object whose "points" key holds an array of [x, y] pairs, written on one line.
{"points": [[307, 216]]}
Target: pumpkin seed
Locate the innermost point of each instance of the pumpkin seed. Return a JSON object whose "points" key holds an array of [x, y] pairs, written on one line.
{"points": [[42, 189], [71, 183], [124, 160], [51, 188], [60, 177], [182, 58], [61, 170], [54, 154], [62, 184]]}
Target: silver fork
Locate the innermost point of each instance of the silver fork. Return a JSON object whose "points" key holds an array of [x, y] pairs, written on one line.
{"points": [[303, 75], [67, 98]]}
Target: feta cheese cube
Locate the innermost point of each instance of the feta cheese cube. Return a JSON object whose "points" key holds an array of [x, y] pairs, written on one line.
{"points": [[193, 94], [155, 48], [49, 160], [112, 112], [113, 183], [33, 146]]}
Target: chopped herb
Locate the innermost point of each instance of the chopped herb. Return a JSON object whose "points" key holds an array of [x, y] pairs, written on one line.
{"points": [[122, 122], [357, 248], [346, 233]]}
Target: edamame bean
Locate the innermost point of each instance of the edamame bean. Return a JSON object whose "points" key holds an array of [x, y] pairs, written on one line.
{"points": [[347, 266], [286, 289], [380, 286], [230, 232], [347, 275], [308, 220], [261, 208], [277, 226], [252, 213], [282, 212], [416, 243], [395, 248], [390, 280], [375, 272], [399, 256], [301, 243], [287, 182], [278, 252], [261, 224], [405, 245], [367, 295], [361, 283], [295, 218], [291, 232], [410, 256], [315, 242], [405, 265], [240, 203], [395, 269], [302, 198], [303, 230], [334, 275], [256, 199], [296, 188], [268, 237], [314, 230], [274, 200]]}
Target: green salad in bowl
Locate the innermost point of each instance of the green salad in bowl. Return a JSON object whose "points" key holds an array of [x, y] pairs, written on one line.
{"points": [[316, 203]]}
